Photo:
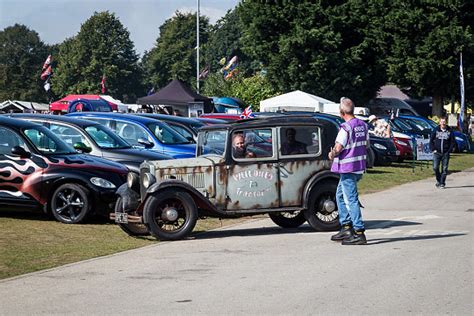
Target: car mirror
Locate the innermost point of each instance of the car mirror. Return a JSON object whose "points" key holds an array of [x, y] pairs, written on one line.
{"points": [[20, 151], [145, 143], [82, 148]]}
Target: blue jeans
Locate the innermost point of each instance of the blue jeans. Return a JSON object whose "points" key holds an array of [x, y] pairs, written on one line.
{"points": [[347, 199], [444, 160]]}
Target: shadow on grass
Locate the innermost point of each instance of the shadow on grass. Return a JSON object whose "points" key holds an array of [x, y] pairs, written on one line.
{"points": [[372, 171], [409, 238], [29, 215]]}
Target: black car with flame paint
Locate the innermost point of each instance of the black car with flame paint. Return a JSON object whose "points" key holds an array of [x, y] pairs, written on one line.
{"points": [[285, 173], [39, 170]]}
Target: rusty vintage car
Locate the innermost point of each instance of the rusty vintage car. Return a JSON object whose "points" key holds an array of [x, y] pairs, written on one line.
{"points": [[287, 175]]}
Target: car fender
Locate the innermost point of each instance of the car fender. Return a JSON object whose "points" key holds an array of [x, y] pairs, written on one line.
{"points": [[326, 175], [130, 198], [204, 206]]}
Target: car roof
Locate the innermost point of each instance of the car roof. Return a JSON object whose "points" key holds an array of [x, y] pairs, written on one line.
{"points": [[16, 123], [172, 118], [58, 118], [268, 121], [113, 115]]}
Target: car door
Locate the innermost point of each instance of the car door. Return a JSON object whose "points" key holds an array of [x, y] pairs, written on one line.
{"points": [[298, 151], [17, 175], [252, 181]]}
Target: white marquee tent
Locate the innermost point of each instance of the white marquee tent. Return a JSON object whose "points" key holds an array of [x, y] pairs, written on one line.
{"points": [[297, 101]]}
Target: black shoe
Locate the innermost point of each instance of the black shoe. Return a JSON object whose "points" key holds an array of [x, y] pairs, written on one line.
{"points": [[344, 233], [358, 238]]}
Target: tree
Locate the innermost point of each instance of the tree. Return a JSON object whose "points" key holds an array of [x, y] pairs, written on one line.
{"points": [[225, 42], [102, 47], [22, 55], [174, 54], [425, 40], [328, 48]]}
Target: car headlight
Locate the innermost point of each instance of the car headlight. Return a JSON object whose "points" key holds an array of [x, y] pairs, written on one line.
{"points": [[148, 180], [379, 146], [132, 179], [102, 183], [459, 139], [400, 142]]}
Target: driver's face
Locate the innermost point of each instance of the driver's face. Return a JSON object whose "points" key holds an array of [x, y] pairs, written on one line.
{"points": [[239, 142]]}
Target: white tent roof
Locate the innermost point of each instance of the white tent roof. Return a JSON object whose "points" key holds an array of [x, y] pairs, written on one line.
{"points": [[25, 106], [294, 101]]}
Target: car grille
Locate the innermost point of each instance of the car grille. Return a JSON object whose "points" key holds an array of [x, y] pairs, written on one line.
{"points": [[194, 179]]}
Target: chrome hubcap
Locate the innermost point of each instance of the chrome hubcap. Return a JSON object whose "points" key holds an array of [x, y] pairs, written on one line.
{"points": [[170, 214]]}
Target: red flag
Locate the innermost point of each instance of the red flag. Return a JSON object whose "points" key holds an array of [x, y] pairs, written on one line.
{"points": [[102, 84], [47, 62], [46, 73]]}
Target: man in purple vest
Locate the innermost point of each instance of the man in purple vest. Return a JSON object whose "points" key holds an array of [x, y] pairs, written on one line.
{"points": [[349, 154]]}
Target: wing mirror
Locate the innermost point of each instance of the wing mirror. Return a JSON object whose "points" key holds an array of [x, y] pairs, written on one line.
{"points": [[82, 148], [145, 143], [20, 151]]}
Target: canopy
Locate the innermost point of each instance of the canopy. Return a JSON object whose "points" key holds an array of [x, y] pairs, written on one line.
{"points": [[23, 106], [295, 101], [179, 96]]}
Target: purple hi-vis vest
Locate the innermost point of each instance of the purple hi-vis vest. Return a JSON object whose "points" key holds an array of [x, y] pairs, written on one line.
{"points": [[352, 157]]}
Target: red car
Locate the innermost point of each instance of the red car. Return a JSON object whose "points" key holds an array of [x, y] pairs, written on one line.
{"points": [[404, 146]]}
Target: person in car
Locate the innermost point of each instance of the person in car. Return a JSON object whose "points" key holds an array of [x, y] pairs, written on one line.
{"points": [[381, 127], [239, 148], [292, 146]]}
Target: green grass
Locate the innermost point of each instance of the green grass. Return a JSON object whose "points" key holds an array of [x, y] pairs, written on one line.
{"points": [[31, 241]]}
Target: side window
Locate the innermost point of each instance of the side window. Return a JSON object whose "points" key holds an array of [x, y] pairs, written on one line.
{"points": [[130, 132], [8, 140], [68, 134], [109, 123], [255, 143], [300, 140]]}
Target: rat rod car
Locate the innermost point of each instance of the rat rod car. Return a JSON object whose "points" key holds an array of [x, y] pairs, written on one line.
{"points": [[287, 175]]}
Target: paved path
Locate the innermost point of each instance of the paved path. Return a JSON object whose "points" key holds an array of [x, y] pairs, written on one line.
{"points": [[419, 261]]}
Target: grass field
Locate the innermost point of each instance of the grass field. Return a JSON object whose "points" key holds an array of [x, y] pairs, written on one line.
{"points": [[31, 241]]}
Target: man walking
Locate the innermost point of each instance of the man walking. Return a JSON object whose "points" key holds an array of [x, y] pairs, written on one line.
{"points": [[441, 144], [349, 155]]}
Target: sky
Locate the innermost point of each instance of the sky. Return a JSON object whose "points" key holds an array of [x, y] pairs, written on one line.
{"points": [[56, 20]]}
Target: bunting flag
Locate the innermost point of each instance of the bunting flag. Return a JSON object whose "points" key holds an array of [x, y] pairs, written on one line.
{"points": [[102, 84], [46, 73], [247, 113], [461, 79], [47, 62], [151, 91]]}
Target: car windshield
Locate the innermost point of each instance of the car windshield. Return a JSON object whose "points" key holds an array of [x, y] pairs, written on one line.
{"points": [[398, 125], [46, 142], [105, 138], [212, 143], [166, 134], [419, 124]]}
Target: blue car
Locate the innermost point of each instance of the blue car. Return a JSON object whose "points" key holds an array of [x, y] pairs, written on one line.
{"points": [[425, 124], [144, 132]]}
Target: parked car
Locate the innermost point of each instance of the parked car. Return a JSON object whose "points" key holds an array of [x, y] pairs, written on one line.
{"points": [[85, 105], [144, 132], [426, 125], [169, 196], [39, 170], [186, 126], [95, 139]]}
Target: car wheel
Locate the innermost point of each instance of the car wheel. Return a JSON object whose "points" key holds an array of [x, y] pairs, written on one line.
{"points": [[322, 213], [70, 203], [370, 158], [288, 219], [133, 229], [170, 215]]}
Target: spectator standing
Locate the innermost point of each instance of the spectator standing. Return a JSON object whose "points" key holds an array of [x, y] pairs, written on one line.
{"points": [[349, 156], [441, 144]]}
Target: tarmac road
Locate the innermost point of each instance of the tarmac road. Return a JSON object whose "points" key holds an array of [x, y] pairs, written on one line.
{"points": [[419, 260]]}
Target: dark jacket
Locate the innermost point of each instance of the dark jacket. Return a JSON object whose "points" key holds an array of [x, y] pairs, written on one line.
{"points": [[442, 142]]}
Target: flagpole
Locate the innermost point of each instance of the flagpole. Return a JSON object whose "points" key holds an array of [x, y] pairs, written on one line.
{"points": [[197, 47], [461, 83]]}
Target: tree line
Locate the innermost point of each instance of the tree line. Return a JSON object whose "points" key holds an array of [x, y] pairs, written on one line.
{"points": [[328, 48]]}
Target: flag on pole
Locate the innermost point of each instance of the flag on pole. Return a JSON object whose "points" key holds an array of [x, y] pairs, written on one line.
{"points": [[47, 73], [461, 78], [47, 62], [247, 113], [102, 84], [47, 85], [151, 91]]}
